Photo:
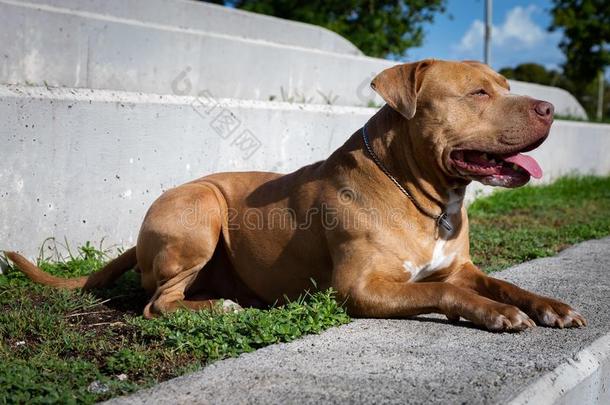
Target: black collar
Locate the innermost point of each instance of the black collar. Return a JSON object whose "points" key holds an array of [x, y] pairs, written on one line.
{"points": [[440, 219]]}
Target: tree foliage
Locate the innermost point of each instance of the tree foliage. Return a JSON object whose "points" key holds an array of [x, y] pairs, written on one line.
{"points": [[533, 73], [379, 28], [586, 42]]}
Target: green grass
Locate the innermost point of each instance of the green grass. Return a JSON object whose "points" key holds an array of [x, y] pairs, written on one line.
{"points": [[55, 344], [514, 226]]}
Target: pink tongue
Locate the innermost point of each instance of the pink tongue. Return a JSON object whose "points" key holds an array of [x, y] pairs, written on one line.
{"points": [[527, 163]]}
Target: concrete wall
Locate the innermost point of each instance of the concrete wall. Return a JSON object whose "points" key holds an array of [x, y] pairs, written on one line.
{"points": [[86, 164], [196, 15], [62, 47]]}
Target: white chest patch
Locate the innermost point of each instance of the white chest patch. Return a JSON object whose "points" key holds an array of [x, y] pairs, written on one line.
{"points": [[440, 260]]}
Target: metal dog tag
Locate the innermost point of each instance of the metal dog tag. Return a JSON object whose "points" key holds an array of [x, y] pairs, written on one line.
{"points": [[444, 222]]}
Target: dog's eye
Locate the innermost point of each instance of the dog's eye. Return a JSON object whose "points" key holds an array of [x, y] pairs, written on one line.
{"points": [[479, 92]]}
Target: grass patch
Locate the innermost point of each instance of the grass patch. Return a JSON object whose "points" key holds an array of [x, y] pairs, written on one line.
{"points": [[513, 226], [80, 347], [74, 347]]}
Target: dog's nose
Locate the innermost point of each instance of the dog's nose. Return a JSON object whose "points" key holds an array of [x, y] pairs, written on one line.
{"points": [[544, 110]]}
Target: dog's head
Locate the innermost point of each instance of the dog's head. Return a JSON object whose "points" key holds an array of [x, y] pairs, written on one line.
{"points": [[465, 115]]}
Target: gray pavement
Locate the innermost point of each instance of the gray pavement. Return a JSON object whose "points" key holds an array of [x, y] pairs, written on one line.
{"points": [[424, 360]]}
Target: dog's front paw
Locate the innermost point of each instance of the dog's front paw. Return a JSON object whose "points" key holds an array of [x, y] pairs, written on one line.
{"points": [[553, 313], [506, 318]]}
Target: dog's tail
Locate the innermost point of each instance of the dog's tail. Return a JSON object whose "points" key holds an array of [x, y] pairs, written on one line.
{"points": [[101, 278]]}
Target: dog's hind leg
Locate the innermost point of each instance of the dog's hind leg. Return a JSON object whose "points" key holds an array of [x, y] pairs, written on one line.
{"points": [[170, 293], [170, 296], [219, 305], [178, 237]]}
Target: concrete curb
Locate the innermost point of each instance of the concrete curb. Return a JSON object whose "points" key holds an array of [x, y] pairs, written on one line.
{"points": [[426, 360], [585, 379]]}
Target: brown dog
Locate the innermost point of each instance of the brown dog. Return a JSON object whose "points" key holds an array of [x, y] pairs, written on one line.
{"points": [[381, 220]]}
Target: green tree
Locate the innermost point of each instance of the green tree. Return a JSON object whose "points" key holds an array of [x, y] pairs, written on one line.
{"points": [[586, 44], [533, 73], [379, 28]]}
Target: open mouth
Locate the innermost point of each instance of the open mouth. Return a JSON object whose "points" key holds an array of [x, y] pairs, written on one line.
{"points": [[506, 170]]}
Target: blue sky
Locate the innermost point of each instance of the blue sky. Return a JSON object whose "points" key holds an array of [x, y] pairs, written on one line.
{"points": [[520, 34]]}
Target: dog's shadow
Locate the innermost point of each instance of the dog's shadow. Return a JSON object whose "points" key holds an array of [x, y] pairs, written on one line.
{"points": [[444, 321], [128, 297], [125, 295], [462, 323]]}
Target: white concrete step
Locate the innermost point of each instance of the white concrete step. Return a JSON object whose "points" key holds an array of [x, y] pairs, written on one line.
{"points": [[75, 48], [86, 164], [63, 47], [564, 102], [212, 18]]}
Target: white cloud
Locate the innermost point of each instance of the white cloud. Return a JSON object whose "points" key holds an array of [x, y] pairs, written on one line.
{"points": [[518, 39], [472, 38]]}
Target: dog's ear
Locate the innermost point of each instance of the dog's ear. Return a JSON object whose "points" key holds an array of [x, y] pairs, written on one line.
{"points": [[399, 86]]}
